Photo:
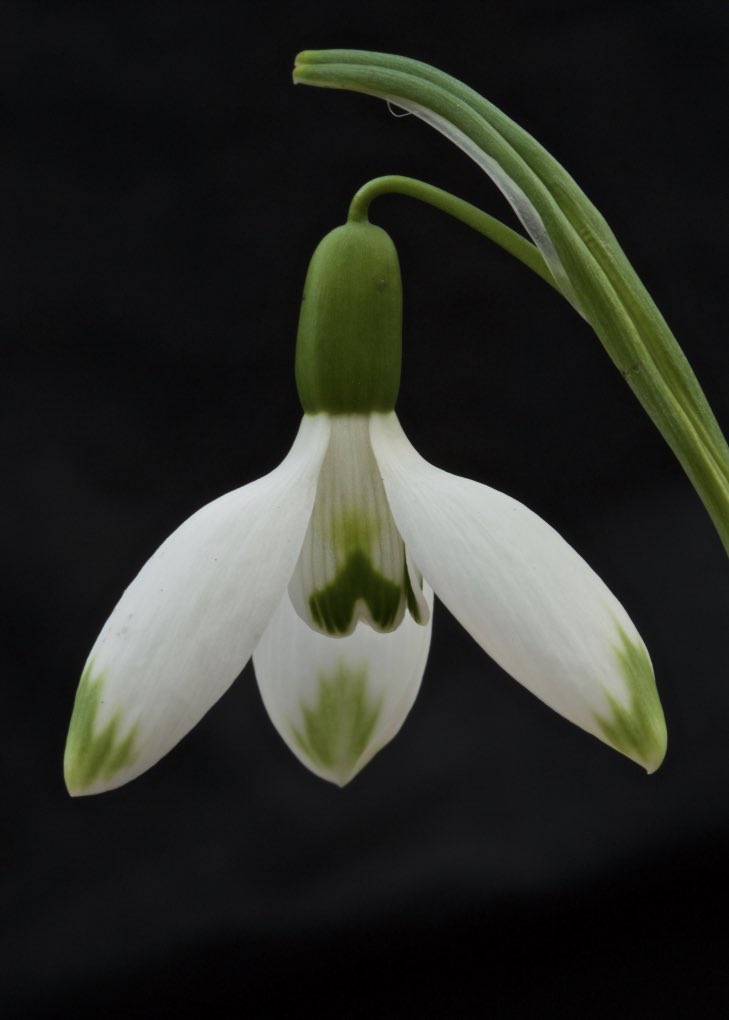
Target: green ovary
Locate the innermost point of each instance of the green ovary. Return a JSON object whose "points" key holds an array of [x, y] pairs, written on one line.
{"points": [[337, 728], [638, 730], [93, 754]]}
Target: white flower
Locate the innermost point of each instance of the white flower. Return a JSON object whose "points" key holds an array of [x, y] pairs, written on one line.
{"points": [[323, 570]]}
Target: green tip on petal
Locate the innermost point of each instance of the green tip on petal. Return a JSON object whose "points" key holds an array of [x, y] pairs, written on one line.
{"points": [[338, 727], [94, 756], [638, 730]]}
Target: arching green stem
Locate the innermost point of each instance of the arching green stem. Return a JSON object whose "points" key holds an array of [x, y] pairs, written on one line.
{"points": [[471, 215], [582, 252]]}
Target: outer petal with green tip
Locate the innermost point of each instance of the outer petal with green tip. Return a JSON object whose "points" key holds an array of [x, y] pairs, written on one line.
{"points": [[188, 623], [337, 701], [526, 597]]}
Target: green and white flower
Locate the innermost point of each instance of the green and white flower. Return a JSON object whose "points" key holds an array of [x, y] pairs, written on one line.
{"points": [[324, 570]]}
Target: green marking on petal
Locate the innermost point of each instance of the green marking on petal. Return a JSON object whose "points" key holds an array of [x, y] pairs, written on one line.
{"points": [[354, 529], [337, 729], [639, 730], [352, 565], [332, 607], [92, 755]]}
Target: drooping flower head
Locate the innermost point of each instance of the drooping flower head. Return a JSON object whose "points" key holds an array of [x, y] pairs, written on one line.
{"points": [[324, 570]]}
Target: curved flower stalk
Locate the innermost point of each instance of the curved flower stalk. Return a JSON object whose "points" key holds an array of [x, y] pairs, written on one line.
{"points": [[324, 571], [582, 253]]}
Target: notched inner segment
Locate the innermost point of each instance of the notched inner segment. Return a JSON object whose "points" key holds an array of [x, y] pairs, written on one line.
{"points": [[357, 592], [353, 566]]}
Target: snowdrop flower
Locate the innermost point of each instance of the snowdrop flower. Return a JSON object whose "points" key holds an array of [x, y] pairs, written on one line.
{"points": [[324, 571]]}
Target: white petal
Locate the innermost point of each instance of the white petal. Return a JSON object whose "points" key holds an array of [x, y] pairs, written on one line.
{"points": [[188, 623], [352, 563], [526, 596], [337, 701]]}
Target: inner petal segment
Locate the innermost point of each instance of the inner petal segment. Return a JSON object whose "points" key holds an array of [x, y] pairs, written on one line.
{"points": [[352, 564]]}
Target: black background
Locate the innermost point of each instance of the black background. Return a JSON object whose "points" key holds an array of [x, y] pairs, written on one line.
{"points": [[164, 185]]}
